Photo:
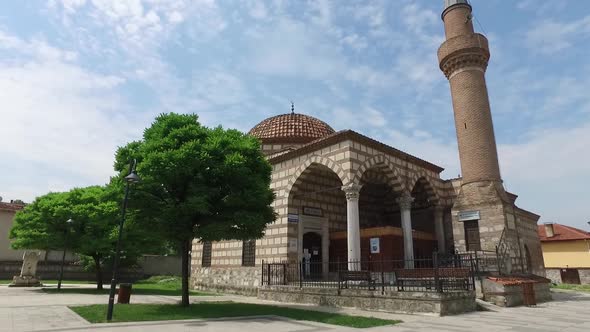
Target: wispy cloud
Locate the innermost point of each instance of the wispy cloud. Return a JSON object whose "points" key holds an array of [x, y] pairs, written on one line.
{"points": [[550, 36], [82, 76], [62, 120]]}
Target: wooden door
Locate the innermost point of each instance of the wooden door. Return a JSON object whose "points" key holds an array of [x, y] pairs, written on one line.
{"points": [[312, 246], [570, 276], [472, 235]]}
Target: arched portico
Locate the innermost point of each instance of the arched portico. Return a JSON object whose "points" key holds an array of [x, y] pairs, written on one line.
{"points": [[345, 213], [317, 206], [427, 211]]}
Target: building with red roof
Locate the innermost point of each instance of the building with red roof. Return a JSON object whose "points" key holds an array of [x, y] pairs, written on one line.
{"points": [[566, 252]]}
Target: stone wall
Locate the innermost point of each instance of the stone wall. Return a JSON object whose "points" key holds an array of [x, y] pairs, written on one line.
{"points": [[584, 276], [529, 239], [50, 271], [487, 200], [512, 295], [397, 302], [236, 280], [555, 275]]}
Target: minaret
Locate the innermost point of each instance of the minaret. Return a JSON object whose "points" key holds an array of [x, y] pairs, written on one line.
{"points": [[483, 214], [464, 58]]}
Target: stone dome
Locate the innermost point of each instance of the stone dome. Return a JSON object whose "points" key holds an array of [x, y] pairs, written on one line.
{"points": [[291, 128]]}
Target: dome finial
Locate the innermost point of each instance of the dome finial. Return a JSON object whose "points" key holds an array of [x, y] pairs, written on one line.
{"points": [[292, 108]]}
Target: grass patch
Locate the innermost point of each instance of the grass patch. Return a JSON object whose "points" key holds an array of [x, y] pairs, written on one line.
{"points": [[159, 285], [579, 288], [146, 312]]}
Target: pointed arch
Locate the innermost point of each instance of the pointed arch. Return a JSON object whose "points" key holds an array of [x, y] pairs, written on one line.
{"points": [[315, 159], [386, 167], [422, 179]]}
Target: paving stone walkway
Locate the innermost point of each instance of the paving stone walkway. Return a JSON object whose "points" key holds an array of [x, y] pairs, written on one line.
{"points": [[32, 310]]}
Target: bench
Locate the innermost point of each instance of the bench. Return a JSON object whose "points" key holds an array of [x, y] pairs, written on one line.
{"points": [[426, 277], [345, 276]]}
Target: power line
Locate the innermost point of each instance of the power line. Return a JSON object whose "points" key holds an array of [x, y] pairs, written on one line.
{"points": [[480, 26]]}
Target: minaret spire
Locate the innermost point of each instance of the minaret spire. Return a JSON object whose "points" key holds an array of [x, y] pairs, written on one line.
{"points": [[292, 108], [482, 209]]}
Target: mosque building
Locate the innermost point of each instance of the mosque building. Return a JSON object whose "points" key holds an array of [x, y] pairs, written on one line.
{"points": [[345, 197]]}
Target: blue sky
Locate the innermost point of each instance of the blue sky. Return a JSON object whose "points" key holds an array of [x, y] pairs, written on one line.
{"points": [[80, 77]]}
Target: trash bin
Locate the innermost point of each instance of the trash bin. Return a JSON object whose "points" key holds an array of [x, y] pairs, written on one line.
{"points": [[528, 294], [124, 293]]}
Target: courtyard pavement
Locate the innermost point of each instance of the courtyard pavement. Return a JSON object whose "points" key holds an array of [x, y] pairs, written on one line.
{"points": [[32, 310]]}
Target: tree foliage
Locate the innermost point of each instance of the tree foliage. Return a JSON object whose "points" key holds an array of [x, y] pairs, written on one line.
{"points": [[95, 212], [197, 182]]}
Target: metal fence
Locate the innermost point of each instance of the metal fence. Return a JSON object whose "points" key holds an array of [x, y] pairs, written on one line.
{"points": [[441, 273]]}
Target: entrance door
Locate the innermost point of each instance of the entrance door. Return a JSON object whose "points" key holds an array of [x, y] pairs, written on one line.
{"points": [[570, 276], [472, 235], [312, 255]]}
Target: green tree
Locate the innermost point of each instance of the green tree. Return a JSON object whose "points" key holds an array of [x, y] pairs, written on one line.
{"points": [[95, 212], [198, 182]]}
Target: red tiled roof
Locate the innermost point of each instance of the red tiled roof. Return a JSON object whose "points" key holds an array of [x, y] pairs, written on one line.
{"points": [[291, 128], [519, 280], [359, 138], [563, 233], [11, 206]]}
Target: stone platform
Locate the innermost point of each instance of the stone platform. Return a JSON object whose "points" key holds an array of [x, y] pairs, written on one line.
{"points": [[442, 304], [509, 291]]}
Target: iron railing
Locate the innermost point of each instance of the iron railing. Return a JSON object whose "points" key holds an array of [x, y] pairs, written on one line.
{"points": [[441, 273]]}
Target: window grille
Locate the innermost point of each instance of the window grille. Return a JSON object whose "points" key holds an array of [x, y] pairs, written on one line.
{"points": [[249, 253], [206, 259]]}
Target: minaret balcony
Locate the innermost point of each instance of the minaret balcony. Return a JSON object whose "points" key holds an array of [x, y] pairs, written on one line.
{"points": [[463, 50]]}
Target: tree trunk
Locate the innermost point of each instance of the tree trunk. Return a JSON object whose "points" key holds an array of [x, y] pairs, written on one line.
{"points": [[184, 249], [98, 269]]}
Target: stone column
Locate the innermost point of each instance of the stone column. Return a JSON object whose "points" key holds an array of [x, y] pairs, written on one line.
{"points": [[352, 225], [405, 205], [439, 228]]}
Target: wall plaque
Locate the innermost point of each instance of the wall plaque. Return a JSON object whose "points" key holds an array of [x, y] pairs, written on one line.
{"points": [[311, 211], [292, 217], [374, 241], [468, 215]]}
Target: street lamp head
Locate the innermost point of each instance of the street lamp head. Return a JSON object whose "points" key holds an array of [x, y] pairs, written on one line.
{"points": [[133, 177]]}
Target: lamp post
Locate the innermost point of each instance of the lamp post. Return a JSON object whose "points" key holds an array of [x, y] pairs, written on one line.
{"points": [[63, 258], [129, 179]]}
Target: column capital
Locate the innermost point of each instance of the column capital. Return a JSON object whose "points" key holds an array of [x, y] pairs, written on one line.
{"points": [[405, 201], [352, 191]]}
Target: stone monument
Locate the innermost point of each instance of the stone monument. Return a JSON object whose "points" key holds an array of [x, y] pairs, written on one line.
{"points": [[27, 277]]}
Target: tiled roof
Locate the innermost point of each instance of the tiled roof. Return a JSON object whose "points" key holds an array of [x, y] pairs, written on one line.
{"points": [[519, 280], [563, 233], [11, 206], [353, 135], [291, 128]]}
